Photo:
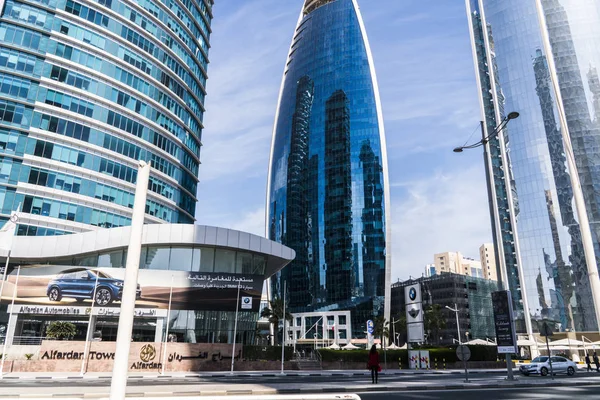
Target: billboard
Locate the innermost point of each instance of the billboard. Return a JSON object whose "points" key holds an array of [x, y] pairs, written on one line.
{"points": [[68, 286], [506, 337], [414, 314]]}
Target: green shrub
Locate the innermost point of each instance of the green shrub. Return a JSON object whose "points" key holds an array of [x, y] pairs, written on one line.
{"points": [[61, 330], [266, 353], [478, 353]]}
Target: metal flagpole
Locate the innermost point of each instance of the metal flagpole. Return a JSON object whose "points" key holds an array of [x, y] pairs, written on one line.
{"points": [[87, 334], [12, 304], [283, 335], [237, 306], [164, 358]]}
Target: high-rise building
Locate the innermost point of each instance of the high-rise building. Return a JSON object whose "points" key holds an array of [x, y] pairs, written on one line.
{"points": [[487, 257], [88, 88], [535, 57], [327, 191]]}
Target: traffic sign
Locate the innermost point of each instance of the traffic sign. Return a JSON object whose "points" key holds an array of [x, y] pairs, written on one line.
{"points": [[463, 353], [546, 329]]}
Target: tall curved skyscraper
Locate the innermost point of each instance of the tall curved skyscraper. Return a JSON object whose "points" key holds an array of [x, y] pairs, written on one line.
{"points": [[540, 58], [88, 88], [328, 193]]}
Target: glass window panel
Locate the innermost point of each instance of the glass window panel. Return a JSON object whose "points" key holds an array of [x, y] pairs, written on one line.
{"points": [[181, 259], [207, 259], [157, 258]]}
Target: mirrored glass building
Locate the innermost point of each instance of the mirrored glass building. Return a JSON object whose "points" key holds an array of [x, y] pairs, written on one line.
{"points": [[328, 188], [88, 88], [540, 58]]}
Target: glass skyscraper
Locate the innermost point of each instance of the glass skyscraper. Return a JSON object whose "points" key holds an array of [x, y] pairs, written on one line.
{"points": [[87, 88], [328, 187], [540, 58]]}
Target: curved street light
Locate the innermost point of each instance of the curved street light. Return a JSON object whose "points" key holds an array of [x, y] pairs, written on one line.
{"points": [[502, 125]]}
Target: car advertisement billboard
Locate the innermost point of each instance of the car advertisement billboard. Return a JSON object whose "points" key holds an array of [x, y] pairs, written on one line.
{"points": [[52, 285]]}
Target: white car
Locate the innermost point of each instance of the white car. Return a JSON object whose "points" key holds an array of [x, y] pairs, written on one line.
{"points": [[541, 365]]}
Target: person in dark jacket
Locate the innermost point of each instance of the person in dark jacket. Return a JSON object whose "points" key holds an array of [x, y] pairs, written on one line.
{"points": [[597, 362], [373, 363], [588, 362]]}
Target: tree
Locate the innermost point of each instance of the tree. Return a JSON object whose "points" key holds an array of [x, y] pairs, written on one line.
{"points": [[275, 313], [398, 326], [61, 330], [381, 328], [434, 321]]}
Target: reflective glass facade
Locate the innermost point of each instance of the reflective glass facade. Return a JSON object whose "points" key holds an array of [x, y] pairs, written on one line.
{"points": [[88, 88], [327, 191], [540, 58]]}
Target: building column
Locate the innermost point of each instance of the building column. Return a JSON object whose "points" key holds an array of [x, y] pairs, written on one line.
{"points": [[10, 329], [160, 326], [93, 320]]}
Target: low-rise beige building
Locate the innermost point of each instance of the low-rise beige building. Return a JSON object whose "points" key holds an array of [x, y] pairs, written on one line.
{"points": [[455, 263]]}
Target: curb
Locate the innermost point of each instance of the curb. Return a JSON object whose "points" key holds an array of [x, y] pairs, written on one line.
{"points": [[252, 375]]}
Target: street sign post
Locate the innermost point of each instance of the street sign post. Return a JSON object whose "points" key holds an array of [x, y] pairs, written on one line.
{"points": [[464, 354], [546, 330]]}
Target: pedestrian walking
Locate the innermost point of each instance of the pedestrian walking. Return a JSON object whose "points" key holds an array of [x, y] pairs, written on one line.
{"points": [[373, 364], [597, 362], [588, 362]]}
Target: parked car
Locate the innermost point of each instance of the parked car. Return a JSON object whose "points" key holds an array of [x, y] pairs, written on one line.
{"points": [[541, 365], [79, 283]]}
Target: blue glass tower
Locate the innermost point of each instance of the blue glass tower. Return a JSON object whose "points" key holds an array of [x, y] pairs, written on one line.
{"points": [[540, 58], [328, 187], [87, 88]]}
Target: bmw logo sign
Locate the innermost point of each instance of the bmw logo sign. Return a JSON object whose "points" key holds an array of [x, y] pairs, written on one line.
{"points": [[412, 294], [246, 300]]}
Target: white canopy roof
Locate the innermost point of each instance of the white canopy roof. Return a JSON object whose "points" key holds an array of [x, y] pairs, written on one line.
{"points": [[350, 346], [393, 347], [567, 342], [334, 346], [480, 342]]}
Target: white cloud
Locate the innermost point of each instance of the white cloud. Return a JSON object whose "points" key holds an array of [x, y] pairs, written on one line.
{"points": [[445, 212]]}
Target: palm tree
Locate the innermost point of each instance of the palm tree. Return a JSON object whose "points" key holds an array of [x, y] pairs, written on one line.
{"points": [[275, 313], [399, 326], [434, 321], [381, 328]]}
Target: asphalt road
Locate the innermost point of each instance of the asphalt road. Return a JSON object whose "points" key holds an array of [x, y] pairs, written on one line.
{"points": [[578, 393], [275, 379]]}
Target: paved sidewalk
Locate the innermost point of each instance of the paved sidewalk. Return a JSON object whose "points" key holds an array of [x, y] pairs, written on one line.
{"points": [[221, 374]]}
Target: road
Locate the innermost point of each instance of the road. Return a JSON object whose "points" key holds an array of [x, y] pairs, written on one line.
{"points": [[579, 393], [409, 385]]}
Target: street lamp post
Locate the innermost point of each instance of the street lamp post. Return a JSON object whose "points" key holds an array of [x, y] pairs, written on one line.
{"points": [[462, 349], [497, 241]]}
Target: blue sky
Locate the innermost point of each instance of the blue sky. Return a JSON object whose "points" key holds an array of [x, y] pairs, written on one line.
{"points": [[424, 65]]}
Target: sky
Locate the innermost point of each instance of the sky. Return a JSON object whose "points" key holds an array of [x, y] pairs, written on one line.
{"points": [[422, 55]]}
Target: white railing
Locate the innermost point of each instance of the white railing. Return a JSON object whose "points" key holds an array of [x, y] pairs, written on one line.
{"points": [[27, 340]]}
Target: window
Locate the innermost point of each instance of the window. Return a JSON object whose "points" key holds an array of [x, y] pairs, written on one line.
{"points": [[181, 259], [342, 319], [156, 257], [207, 259], [224, 261]]}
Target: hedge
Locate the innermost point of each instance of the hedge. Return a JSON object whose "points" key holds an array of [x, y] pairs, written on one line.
{"points": [[478, 353], [268, 353]]}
